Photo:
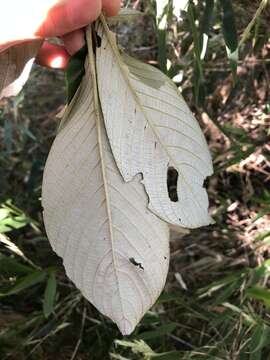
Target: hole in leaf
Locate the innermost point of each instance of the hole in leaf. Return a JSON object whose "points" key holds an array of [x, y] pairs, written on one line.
{"points": [[172, 180], [96, 41], [99, 40], [206, 183]]}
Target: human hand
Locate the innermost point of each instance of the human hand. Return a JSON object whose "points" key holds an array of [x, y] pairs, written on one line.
{"points": [[30, 19]]}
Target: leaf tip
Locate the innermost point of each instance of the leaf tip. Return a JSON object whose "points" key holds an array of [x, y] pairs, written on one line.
{"points": [[126, 327]]}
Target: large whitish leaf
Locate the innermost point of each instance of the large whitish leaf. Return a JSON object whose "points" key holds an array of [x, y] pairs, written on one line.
{"points": [[114, 249], [15, 66], [152, 131]]}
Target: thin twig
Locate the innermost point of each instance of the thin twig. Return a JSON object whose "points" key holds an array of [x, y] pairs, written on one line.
{"points": [[248, 29]]}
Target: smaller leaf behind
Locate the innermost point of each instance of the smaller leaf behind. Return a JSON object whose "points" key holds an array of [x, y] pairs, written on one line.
{"points": [[155, 132], [15, 66]]}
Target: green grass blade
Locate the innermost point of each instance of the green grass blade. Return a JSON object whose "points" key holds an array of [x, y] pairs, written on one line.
{"points": [[25, 283], [261, 294], [11, 267], [49, 296], [198, 66], [205, 26], [230, 34], [260, 338], [161, 331]]}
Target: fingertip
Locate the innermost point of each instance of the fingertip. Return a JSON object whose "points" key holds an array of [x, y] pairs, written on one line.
{"points": [[52, 56], [67, 16], [111, 7], [81, 12], [74, 41]]}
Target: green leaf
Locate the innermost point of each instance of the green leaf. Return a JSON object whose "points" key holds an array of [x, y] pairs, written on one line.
{"points": [[171, 355], [3, 214], [49, 296], [230, 34], [259, 273], [25, 282], [215, 286], [259, 339], [205, 26], [229, 25], [198, 66], [263, 235], [163, 10], [75, 72], [240, 155], [8, 135], [137, 347], [162, 50], [12, 267], [228, 291], [161, 331], [13, 222], [118, 357], [259, 294], [12, 218]]}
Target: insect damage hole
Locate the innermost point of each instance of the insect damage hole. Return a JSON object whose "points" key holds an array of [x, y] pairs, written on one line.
{"points": [[135, 263], [172, 180], [97, 41]]}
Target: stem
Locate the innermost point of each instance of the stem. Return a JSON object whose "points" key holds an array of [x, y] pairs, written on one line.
{"points": [[248, 29]]}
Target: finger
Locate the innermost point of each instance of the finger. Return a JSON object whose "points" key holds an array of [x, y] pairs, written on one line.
{"points": [[74, 41], [53, 56], [68, 16], [111, 7]]}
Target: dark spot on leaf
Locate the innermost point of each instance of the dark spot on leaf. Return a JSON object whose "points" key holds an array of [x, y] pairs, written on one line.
{"points": [[155, 144], [135, 263], [165, 257], [172, 180]]}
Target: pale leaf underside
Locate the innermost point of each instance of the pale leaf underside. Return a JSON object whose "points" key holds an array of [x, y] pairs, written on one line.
{"points": [[114, 249], [151, 130]]}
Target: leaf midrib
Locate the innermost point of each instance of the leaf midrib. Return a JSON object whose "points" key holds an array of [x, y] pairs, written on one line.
{"points": [[92, 62]]}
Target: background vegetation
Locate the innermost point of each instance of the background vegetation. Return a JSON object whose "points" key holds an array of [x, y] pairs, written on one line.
{"points": [[217, 298]]}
